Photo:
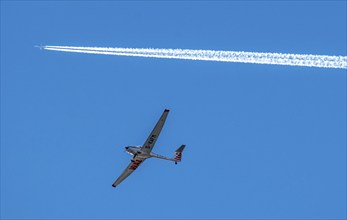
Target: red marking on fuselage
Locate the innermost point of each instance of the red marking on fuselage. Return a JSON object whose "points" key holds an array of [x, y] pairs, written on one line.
{"points": [[135, 164]]}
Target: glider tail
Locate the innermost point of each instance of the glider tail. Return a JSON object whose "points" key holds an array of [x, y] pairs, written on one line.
{"points": [[178, 154]]}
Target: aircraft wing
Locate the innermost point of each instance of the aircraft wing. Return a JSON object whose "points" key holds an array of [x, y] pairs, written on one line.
{"points": [[135, 162], [152, 138]]}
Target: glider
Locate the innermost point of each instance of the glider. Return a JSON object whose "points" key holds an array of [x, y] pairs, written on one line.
{"points": [[141, 153]]}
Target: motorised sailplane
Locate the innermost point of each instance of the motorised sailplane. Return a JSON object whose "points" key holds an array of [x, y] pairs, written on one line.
{"points": [[141, 153]]}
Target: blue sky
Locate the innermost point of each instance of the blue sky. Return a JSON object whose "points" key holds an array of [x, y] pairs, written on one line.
{"points": [[263, 141]]}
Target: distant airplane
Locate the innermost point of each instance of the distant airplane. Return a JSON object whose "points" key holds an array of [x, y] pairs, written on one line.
{"points": [[141, 153], [40, 47]]}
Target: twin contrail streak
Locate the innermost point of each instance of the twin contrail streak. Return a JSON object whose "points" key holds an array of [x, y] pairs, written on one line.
{"points": [[308, 60]]}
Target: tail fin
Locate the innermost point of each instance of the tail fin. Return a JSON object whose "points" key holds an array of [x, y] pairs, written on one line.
{"points": [[178, 154]]}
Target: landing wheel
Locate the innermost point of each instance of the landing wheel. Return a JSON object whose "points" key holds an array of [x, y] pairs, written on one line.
{"points": [[175, 162]]}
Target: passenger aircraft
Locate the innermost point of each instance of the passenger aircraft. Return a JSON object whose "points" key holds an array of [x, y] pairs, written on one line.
{"points": [[141, 153]]}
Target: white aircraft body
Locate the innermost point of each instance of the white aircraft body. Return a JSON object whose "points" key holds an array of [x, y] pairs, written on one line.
{"points": [[141, 153]]}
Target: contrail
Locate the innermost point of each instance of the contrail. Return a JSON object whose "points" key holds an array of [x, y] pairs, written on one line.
{"points": [[308, 60]]}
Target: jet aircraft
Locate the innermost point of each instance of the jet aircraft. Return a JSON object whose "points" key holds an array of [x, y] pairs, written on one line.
{"points": [[141, 153], [40, 47]]}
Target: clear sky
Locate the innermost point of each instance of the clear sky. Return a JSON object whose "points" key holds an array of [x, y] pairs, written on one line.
{"points": [[263, 141]]}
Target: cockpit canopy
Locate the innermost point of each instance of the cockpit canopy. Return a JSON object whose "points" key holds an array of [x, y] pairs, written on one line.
{"points": [[128, 147]]}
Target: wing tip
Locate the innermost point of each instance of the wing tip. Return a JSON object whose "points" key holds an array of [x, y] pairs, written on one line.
{"points": [[114, 186], [166, 110]]}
